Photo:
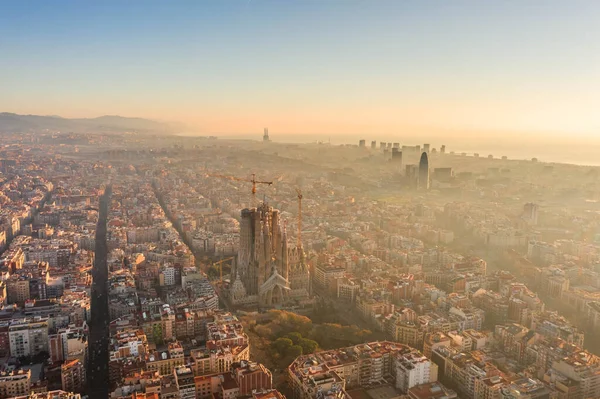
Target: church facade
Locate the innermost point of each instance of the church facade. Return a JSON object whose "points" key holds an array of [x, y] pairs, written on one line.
{"points": [[268, 273]]}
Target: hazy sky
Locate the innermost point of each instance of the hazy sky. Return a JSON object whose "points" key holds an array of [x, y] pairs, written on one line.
{"points": [[334, 66]]}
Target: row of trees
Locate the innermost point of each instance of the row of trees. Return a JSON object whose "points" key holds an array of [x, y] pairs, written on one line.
{"points": [[286, 335]]}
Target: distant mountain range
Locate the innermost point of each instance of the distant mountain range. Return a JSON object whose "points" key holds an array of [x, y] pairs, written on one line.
{"points": [[104, 124]]}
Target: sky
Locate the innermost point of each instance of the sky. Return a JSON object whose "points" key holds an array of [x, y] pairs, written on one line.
{"points": [[309, 67]]}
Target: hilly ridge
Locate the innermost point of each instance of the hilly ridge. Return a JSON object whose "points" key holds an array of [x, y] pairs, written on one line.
{"points": [[10, 122]]}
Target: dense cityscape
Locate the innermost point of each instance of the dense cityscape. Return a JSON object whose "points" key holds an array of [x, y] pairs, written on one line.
{"points": [[144, 265]]}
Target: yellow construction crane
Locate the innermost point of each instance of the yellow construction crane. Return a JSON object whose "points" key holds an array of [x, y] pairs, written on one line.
{"points": [[220, 263], [253, 181], [299, 235]]}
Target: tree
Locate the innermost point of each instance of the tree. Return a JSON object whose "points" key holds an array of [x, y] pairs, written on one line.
{"points": [[294, 351], [324, 311], [308, 345], [263, 331], [295, 337], [335, 335], [281, 345], [281, 323]]}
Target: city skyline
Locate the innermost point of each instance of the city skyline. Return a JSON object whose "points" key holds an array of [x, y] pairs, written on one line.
{"points": [[309, 67], [262, 199], [361, 274]]}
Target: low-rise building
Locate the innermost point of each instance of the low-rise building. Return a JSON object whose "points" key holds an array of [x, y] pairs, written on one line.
{"points": [[15, 383], [433, 390]]}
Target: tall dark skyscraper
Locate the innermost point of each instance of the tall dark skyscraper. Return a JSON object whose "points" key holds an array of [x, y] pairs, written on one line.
{"points": [[424, 172], [266, 135]]}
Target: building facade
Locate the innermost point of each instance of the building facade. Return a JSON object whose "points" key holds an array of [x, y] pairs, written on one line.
{"points": [[267, 272], [16, 383], [72, 375]]}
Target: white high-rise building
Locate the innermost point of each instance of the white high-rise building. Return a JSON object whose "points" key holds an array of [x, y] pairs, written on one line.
{"points": [[28, 337], [168, 272], [414, 369]]}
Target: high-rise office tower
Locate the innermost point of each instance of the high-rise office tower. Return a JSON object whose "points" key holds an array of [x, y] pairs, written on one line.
{"points": [[426, 148], [443, 149], [397, 156], [373, 145], [266, 135], [424, 172], [411, 176], [362, 143]]}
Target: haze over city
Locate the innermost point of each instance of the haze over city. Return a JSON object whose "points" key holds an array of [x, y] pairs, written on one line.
{"points": [[328, 68], [299, 200]]}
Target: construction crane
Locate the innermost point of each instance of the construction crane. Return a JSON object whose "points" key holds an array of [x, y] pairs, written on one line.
{"points": [[299, 235], [253, 181], [220, 263]]}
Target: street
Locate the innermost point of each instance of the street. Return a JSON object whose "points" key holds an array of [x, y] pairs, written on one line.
{"points": [[97, 371]]}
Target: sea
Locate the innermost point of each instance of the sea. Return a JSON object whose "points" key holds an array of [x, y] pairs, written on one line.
{"points": [[568, 150]]}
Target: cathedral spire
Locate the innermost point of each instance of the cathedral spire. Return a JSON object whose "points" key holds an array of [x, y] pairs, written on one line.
{"points": [[285, 265]]}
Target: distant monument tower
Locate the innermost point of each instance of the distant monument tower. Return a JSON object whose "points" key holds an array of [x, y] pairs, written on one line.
{"points": [[266, 135], [424, 172], [530, 213]]}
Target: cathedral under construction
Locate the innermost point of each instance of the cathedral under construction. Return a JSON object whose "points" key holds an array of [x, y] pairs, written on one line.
{"points": [[268, 272]]}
